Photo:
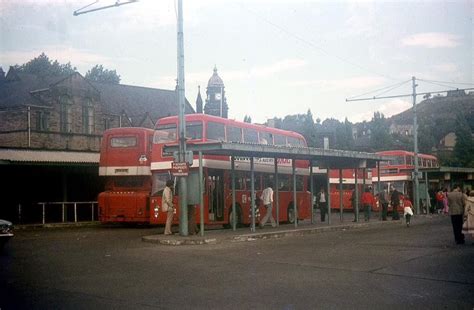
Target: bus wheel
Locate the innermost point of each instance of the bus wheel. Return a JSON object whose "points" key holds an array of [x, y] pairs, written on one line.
{"points": [[291, 214], [238, 217]]}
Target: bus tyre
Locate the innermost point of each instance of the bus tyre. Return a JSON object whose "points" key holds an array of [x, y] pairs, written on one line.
{"points": [[238, 217]]}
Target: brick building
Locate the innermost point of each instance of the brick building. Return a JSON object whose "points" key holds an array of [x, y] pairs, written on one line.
{"points": [[50, 134]]}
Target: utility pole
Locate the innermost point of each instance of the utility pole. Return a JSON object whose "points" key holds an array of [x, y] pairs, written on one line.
{"points": [[183, 189], [415, 133], [416, 184]]}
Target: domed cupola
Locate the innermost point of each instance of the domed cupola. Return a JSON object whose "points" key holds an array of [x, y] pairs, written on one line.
{"points": [[215, 80], [216, 101]]}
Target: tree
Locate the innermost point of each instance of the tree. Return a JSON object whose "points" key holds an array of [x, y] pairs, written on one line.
{"points": [[247, 119], [43, 66], [99, 74], [380, 138], [464, 147]]}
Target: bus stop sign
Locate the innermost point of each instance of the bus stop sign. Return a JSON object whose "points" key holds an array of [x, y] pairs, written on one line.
{"points": [[179, 169]]}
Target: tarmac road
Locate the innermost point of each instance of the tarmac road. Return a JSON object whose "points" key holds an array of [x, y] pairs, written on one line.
{"points": [[372, 267]]}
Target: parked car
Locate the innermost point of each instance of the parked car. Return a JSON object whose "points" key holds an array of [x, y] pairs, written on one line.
{"points": [[6, 232]]}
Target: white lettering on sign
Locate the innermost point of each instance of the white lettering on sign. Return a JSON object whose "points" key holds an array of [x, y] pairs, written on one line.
{"points": [[179, 169], [264, 160]]}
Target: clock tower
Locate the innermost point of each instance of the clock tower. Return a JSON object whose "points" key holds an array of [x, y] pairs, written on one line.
{"points": [[216, 102]]}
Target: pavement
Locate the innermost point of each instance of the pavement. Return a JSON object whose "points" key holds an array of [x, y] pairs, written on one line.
{"points": [[215, 236]]}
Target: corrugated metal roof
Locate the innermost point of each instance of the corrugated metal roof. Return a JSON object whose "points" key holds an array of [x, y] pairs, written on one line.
{"points": [[34, 156]]}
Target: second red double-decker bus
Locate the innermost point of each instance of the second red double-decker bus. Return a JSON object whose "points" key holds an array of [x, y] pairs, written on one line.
{"points": [[125, 163], [201, 128]]}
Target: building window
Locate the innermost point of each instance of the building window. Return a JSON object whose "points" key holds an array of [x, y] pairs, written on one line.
{"points": [[42, 121], [88, 117], [65, 104]]}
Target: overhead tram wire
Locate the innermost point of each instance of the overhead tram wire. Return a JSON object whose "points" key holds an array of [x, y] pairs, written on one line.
{"points": [[311, 44], [457, 83], [383, 90], [442, 83]]}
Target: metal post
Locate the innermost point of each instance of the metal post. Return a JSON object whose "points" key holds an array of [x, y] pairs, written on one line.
{"points": [[201, 193], [341, 204], [252, 194], [277, 195], [75, 213], [295, 203], [29, 125], [311, 187], [427, 195], [356, 188], [328, 194], [92, 206], [234, 215], [415, 151], [44, 215], [378, 189], [183, 201], [19, 213], [63, 211]]}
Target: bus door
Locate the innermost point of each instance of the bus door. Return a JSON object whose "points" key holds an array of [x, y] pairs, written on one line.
{"points": [[215, 194]]}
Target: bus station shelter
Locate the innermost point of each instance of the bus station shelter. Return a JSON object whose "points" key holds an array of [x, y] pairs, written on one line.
{"points": [[322, 158]]}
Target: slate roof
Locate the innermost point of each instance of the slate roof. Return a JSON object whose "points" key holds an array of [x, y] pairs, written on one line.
{"points": [[135, 101], [34, 156]]}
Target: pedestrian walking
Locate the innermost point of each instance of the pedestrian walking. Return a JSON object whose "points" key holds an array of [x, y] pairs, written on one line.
{"points": [[167, 206], [407, 210], [355, 205], [395, 202], [267, 198], [368, 201], [383, 202], [468, 226], [322, 202], [456, 211]]}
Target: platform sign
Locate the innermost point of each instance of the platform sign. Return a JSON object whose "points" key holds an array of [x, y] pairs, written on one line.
{"points": [[179, 169]]}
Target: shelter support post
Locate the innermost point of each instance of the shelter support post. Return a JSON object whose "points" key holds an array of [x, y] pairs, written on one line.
{"points": [[295, 203], [328, 196], [341, 204], [277, 195], [252, 194], [234, 215], [427, 194], [201, 194], [379, 187], [356, 188], [311, 186]]}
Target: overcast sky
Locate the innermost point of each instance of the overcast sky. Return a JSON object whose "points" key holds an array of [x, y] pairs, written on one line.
{"points": [[276, 57]]}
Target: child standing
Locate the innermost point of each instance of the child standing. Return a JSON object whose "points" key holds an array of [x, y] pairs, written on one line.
{"points": [[407, 210]]}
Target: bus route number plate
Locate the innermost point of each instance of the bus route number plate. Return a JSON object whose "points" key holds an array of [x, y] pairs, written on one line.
{"points": [[179, 169]]}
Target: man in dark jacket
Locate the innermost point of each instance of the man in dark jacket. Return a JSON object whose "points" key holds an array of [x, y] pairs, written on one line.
{"points": [[456, 210], [395, 202]]}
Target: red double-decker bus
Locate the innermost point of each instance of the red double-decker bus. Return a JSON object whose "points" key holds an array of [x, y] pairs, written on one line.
{"points": [[398, 172], [125, 163], [201, 128]]}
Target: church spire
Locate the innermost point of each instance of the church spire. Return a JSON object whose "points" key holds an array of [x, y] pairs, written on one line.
{"points": [[199, 101]]}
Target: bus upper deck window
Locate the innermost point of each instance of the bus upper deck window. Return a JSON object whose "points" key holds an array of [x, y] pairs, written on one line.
{"points": [[280, 140], [215, 131], [165, 133], [194, 130], [265, 138], [250, 136], [234, 134], [123, 142]]}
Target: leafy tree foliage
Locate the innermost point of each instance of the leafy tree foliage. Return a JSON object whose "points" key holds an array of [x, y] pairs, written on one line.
{"points": [[464, 148], [380, 138], [99, 74], [247, 119], [42, 65]]}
